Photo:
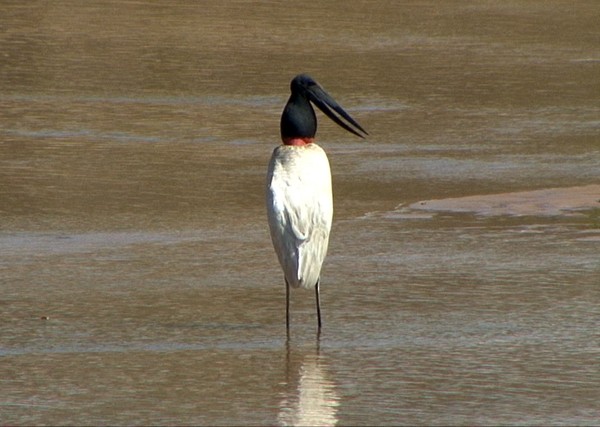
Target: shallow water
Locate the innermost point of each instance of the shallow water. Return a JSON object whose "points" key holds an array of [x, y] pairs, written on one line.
{"points": [[138, 282]]}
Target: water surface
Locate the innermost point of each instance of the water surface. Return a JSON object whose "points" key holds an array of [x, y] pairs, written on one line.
{"points": [[138, 283]]}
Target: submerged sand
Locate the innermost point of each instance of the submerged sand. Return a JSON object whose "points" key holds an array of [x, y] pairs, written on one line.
{"points": [[546, 202]]}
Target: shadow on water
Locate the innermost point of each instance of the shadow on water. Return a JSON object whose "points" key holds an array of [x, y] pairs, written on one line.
{"points": [[310, 396]]}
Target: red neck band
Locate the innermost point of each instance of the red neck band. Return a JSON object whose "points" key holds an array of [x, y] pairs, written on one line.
{"points": [[298, 141]]}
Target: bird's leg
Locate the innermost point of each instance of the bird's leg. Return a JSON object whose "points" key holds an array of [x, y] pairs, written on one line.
{"points": [[318, 304], [287, 308]]}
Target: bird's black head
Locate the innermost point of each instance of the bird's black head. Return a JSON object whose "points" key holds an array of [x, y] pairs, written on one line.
{"points": [[301, 83], [298, 119]]}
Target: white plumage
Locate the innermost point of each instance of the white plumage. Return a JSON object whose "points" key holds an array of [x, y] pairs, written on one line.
{"points": [[300, 210]]}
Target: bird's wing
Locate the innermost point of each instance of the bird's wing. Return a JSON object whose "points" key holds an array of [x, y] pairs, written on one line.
{"points": [[300, 210]]}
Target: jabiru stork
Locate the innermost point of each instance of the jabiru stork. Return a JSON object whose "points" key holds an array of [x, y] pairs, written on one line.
{"points": [[298, 191]]}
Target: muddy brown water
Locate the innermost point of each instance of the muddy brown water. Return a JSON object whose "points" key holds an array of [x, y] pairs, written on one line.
{"points": [[138, 284]]}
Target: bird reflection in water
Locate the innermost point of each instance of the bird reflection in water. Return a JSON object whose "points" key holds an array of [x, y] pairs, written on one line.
{"points": [[310, 397]]}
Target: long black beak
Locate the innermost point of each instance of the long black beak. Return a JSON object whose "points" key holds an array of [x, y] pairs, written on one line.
{"points": [[328, 105]]}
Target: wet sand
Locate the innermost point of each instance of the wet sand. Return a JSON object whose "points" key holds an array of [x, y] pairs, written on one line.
{"points": [[547, 202]]}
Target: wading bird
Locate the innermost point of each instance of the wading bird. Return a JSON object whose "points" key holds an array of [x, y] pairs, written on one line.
{"points": [[299, 198]]}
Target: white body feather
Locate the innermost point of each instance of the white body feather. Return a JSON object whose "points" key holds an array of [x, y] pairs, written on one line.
{"points": [[300, 210]]}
